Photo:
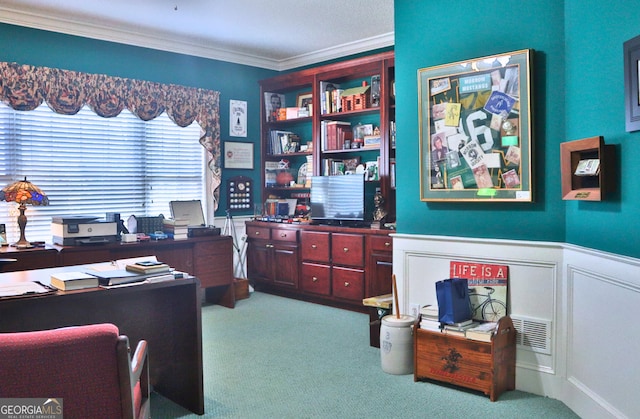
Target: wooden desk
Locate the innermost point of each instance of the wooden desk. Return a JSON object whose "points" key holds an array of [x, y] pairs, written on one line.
{"points": [[209, 258], [166, 314]]}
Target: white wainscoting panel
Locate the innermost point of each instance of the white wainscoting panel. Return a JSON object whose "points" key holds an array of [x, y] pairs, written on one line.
{"points": [[589, 300]]}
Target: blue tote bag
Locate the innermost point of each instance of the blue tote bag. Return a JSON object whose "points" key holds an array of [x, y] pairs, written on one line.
{"points": [[453, 300]]}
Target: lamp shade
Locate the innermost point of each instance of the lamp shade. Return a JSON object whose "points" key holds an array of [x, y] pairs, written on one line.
{"points": [[24, 192]]}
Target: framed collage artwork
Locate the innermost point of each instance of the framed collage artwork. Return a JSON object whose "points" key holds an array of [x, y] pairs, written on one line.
{"points": [[475, 129]]}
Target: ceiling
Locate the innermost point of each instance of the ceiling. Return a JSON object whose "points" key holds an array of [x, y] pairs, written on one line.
{"points": [[277, 34]]}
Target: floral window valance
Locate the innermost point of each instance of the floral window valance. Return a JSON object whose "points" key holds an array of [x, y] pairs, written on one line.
{"points": [[24, 87]]}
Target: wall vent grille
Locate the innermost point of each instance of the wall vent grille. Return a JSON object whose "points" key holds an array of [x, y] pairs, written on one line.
{"points": [[532, 334]]}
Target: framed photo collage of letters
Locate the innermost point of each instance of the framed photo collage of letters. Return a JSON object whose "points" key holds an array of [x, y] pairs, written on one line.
{"points": [[475, 129]]}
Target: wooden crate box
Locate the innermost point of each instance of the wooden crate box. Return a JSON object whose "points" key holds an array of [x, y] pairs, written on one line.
{"points": [[488, 367]]}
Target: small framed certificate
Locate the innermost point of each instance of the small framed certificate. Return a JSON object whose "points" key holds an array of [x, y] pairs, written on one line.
{"points": [[238, 155]]}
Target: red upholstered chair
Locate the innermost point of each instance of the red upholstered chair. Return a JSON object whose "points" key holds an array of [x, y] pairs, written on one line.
{"points": [[88, 367]]}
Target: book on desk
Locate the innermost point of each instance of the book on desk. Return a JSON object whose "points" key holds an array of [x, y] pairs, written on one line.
{"points": [[75, 280], [122, 276], [148, 267]]}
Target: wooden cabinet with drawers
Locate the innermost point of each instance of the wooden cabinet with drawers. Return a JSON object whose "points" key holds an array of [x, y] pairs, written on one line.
{"points": [[332, 265]]}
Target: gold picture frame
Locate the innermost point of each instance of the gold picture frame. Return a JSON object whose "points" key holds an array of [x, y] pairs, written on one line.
{"points": [[476, 129]]}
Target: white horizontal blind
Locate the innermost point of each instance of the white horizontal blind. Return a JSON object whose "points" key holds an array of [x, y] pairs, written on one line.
{"points": [[89, 165]]}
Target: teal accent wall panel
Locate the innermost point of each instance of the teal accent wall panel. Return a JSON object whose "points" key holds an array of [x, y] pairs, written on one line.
{"points": [[595, 106], [233, 81], [430, 33]]}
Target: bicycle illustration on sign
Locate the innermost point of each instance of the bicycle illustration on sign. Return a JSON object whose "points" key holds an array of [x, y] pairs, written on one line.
{"points": [[489, 308]]}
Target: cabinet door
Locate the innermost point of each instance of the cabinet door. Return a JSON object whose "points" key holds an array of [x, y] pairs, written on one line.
{"points": [[379, 274], [379, 266], [347, 249], [259, 265], [348, 283], [285, 261]]}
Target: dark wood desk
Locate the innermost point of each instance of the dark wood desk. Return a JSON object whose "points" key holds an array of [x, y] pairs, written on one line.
{"points": [[209, 258], [166, 314]]}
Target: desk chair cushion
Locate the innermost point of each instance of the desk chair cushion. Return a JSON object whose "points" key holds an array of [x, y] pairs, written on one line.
{"points": [[77, 364]]}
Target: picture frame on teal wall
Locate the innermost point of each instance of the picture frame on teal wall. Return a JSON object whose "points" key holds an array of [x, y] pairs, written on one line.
{"points": [[631, 85], [475, 121]]}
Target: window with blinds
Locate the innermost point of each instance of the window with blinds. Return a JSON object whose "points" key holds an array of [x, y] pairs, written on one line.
{"points": [[89, 165]]}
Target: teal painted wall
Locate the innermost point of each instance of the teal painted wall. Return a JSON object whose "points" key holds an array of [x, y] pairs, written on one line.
{"points": [[430, 33], [595, 106], [578, 93], [233, 81]]}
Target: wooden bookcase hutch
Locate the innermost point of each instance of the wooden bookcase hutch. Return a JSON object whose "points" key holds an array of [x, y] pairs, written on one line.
{"points": [[328, 264]]}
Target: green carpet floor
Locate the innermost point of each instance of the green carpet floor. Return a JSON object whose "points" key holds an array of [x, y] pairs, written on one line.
{"points": [[273, 357]]}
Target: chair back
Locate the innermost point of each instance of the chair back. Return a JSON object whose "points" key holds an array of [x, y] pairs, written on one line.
{"points": [[76, 364]]}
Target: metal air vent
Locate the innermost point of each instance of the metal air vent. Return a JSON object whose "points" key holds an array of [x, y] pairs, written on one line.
{"points": [[532, 334]]}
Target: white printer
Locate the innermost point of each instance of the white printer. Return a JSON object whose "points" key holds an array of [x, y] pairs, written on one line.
{"points": [[81, 229]]}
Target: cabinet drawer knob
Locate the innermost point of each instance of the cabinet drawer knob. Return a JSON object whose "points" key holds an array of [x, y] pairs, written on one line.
{"points": [[268, 246], [345, 249], [283, 235], [257, 233], [313, 246], [314, 279], [346, 284], [387, 244]]}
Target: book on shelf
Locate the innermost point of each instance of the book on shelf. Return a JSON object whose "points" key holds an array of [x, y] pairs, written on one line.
{"points": [[282, 142], [177, 236], [67, 281], [460, 325], [392, 133], [392, 172], [429, 312], [482, 331], [329, 97], [148, 267], [337, 133], [270, 173], [428, 324], [458, 330]]}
